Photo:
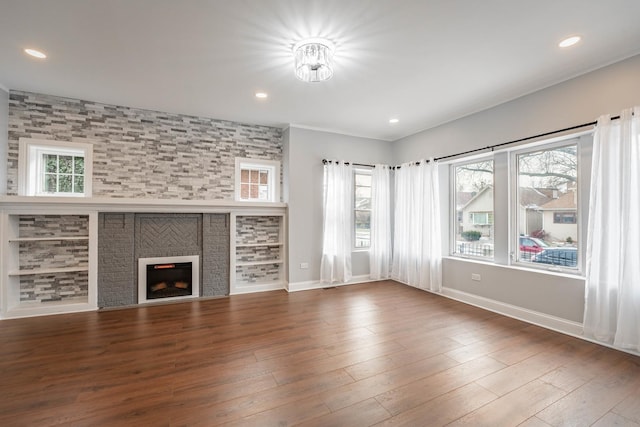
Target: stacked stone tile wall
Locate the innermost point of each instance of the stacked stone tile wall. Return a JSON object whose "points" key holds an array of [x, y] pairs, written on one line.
{"points": [[266, 273], [257, 229], [47, 254], [141, 153]]}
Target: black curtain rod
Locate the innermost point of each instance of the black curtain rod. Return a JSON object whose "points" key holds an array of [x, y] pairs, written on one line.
{"points": [[492, 147]]}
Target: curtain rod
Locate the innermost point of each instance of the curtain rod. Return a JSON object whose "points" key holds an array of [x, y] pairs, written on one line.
{"points": [[494, 146]]}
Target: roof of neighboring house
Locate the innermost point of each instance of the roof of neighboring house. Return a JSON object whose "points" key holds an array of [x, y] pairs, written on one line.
{"points": [[565, 202], [476, 197], [463, 197], [530, 197]]}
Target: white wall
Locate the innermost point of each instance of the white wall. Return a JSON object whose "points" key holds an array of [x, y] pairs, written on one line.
{"points": [[576, 101], [4, 138], [304, 150]]}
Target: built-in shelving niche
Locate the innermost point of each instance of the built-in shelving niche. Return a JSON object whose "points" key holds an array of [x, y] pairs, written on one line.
{"points": [[48, 264], [258, 253]]}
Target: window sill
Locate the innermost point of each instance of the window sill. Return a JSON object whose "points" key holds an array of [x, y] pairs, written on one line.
{"points": [[519, 267]]}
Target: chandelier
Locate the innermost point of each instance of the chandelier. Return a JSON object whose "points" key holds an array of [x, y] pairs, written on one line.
{"points": [[313, 60]]}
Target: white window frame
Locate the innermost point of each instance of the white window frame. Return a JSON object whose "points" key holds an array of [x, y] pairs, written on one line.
{"points": [[30, 167], [453, 226], [544, 145], [360, 171], [273, 182]]}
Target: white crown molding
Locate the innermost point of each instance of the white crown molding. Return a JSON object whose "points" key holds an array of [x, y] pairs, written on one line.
{"points": [[336, 131]]}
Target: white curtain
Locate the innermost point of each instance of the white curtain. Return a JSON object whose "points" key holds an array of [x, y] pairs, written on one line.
{"points": [[417, 258], [338, 219], [380, 249], [612, 307]]}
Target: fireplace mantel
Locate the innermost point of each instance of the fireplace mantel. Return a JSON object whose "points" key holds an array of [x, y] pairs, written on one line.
{"points": [[117, 204]]}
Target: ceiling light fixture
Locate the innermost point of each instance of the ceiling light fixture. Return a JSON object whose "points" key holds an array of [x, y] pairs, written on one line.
{"points": [[569, 41], [261, 95], [393, 121], [313, 60], [35, 53]]}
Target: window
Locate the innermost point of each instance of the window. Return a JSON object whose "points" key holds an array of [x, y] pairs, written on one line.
{"points": [[473, 224], [54, 168], [547, 208], [362, 208], [257, 180], [481, 218], [565, 218]]}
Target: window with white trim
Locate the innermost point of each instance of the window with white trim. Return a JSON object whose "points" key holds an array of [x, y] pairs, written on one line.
{"points": [[473, 202], [257, 180], [54, 168], [362, 208]]}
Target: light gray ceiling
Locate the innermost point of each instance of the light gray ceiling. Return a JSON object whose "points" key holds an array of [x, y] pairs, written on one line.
{"points": [[426, 62]]}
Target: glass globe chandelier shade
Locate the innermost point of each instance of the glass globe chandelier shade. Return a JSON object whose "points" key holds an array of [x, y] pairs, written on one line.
{"points": [[313, 60]]}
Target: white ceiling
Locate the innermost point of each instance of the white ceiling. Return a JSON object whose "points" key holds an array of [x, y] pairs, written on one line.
{"points": [[425, 62]]}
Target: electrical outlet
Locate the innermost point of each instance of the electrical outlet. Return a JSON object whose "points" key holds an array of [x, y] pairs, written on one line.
{"points": [[304, 265], [475, 276]]}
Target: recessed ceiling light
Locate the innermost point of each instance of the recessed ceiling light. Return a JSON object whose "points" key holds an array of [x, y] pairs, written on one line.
{"points": [[569, 41], [262, 95], [393, 121], [35, 53]]}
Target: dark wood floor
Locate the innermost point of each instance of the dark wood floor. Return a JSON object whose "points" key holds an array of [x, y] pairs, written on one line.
{"points": [[371, 354]]}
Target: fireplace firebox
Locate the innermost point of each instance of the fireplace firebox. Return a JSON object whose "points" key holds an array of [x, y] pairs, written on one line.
{"points": [[168, 278]]}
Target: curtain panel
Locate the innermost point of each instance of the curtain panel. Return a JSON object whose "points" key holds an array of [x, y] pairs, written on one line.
{"points": [[612, 300], [380, 249], [417, 257], [337, 241]]}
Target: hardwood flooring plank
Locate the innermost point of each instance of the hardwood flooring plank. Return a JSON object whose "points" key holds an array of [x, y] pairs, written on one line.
{"points": [[365, 413], [591, 401], [514, 407], [443, 409], [409, 396]]}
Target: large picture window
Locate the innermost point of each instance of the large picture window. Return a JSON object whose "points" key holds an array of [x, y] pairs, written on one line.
{"points": [[473, 229], [547, 206]]}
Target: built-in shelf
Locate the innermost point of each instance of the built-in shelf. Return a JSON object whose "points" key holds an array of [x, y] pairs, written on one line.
{"points": [[266, 262], [46, 239], [52, 270], [255, 245]]}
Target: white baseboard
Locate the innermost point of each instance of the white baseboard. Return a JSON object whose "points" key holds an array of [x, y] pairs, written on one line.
{"points": [[259, 287], [548, 321], [316, 284]]}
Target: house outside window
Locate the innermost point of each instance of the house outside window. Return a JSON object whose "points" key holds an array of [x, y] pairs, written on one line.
{"points": [[473, 206], [257, 180], [362, 208], [547, 208], [54, 168]]}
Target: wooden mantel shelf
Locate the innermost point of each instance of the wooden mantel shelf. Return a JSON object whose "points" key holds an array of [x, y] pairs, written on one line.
{"points": [[117, 204]]}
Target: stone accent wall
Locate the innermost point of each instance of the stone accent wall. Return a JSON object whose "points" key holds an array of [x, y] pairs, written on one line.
{"points": [[257, 229], [54, 287], [248, 274], [46, 254], [142, 153]]}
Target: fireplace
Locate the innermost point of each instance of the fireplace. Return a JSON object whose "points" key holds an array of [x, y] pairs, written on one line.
{"points": [[168, 278]]}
